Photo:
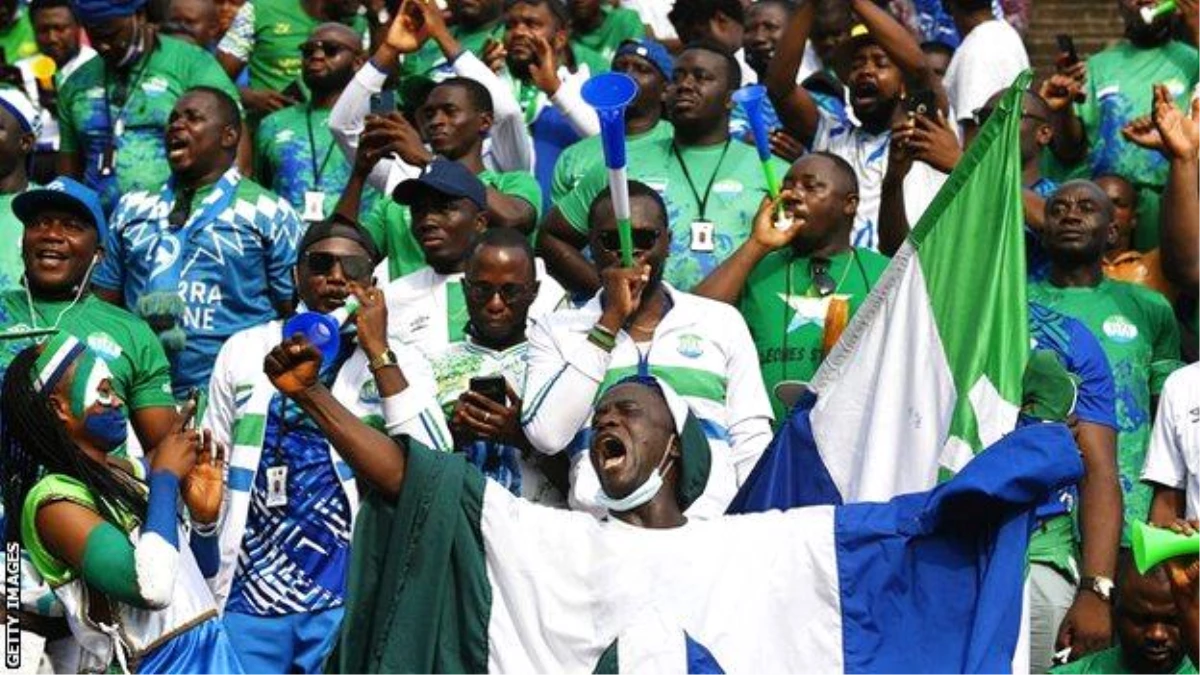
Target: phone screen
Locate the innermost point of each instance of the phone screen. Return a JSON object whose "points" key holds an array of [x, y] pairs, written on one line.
{"points": [[492, 387]]}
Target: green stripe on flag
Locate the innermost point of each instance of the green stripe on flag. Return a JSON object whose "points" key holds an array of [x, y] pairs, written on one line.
{"points": [[970, 245]]}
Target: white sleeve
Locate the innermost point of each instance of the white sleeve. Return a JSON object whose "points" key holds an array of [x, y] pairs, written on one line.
{"points": [[238, 41], [512, 146], [220, 407], [561, 382], [346, 124], [1165, 463], [569, 101], [981, 74], [415, 412], [746, 400]]}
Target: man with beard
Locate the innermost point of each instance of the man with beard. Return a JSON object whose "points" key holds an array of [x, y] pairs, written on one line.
{"points": [[1116, 88], [459, 118], [798, 287], [711, 183], [294, 152], [265, 37], [884, 65], [546, 75], [638, 322], [285, 534], [113, 109], [208, 255], [599, 27]]}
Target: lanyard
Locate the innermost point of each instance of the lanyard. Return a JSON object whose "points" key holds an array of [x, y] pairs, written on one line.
{"points": [[117, 122], [312, 145], [702, 202]]}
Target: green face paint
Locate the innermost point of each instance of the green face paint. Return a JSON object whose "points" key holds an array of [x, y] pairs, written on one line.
{"points": [[85, 388]]}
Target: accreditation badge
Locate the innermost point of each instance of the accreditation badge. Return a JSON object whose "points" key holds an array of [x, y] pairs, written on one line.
{"points": [[277, 486], [702, 236], [314, 205]]}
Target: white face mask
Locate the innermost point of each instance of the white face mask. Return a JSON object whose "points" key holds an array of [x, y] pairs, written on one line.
{"points": [[643, 493]]}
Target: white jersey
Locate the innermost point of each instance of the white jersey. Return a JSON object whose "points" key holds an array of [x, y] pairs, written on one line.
{"points": [[428, 310], [701, 348], [868, 154], [990, 57], [1173, 458]]}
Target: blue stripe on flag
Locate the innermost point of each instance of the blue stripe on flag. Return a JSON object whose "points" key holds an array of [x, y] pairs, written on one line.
{"points": [[790, 472], [932, 581], [240, 479], [700, 661]]}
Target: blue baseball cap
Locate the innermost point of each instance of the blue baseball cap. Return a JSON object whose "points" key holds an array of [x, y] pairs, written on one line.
{"points": [[64, 194], [99, 11], [446, 177], [650, 50]]}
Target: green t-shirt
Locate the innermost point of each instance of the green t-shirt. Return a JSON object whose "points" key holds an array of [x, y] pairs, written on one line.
{"points": [[1137, 330], [11, 231], [584, 155], [1111, 661], [87, 114], [1052, 543], [280, 27], [1118, 91], [390, 225], [133, 353], [17, 40], [737, 192], [786, 315], [619, 24], [284, 155]]}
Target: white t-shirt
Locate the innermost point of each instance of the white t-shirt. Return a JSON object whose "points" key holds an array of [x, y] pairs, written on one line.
{"points": [[868, 154], [1173, 458], [988, 60]]}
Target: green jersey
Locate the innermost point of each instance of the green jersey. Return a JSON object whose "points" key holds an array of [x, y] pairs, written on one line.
{"points": [[267, 34], [619, 24], [92, 117], [295, 153], [786, 315], [1112, 661], [133, 353], [1118, 91], [17, 39], [390, 224], [712, 194], [584, 155], [1137, 331], [11, 231]]}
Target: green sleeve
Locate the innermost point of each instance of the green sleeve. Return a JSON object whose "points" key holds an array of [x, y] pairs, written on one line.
{"points": [[628, 25], [574, 207], [151, 386], [523, 185], [560, 180], [1165, 359], [375, 223], [109, 565], [66, 122]]}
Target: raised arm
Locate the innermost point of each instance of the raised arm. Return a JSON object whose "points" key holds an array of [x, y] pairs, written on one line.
{"points": [[794, 105], [726, 282]]}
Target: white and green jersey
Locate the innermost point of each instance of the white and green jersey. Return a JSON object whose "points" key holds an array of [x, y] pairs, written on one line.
{"points": [[701, 348], [429, 311]]}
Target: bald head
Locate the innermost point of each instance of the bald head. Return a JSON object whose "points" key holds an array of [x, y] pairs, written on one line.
{"points": [[339, 32]]}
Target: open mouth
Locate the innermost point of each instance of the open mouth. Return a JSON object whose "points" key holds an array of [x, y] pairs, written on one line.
{"points": [[611, 450], [865, 92], [176, 147]]}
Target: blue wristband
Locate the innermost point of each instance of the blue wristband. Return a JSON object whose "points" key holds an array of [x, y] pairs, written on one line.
{"points": [[160, 512]]}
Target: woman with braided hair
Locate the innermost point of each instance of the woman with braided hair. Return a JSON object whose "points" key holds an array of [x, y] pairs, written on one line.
{"points": [[103, 532]]}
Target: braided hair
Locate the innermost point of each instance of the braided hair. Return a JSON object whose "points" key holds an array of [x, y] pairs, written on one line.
{"points": [[34, 442]]}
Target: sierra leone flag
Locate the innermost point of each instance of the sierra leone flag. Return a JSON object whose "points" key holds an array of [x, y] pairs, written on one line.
{"points": [[928, 372]]}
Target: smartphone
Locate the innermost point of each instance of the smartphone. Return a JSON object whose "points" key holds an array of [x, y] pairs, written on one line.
{"points": [[921, 102], [1066, 45], [383, 103], [492, 387]]}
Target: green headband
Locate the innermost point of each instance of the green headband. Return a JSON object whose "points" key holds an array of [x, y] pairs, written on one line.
{"points": [[59, 352]]}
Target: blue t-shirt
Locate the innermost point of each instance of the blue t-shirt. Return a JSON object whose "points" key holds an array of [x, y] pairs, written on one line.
{"points": [[294, 558], [234, 269], [1082, 355]]}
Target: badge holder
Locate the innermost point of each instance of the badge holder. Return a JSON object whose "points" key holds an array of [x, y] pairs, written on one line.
{"points": [[702, 236], [314, 206]]}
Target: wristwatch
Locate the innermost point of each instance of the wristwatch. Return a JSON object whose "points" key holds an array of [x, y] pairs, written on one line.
{"points": [[1101, 586], [387, 358]]}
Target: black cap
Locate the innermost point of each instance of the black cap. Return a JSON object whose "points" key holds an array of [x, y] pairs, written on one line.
{"points": [[328, 229], [448, 178]]}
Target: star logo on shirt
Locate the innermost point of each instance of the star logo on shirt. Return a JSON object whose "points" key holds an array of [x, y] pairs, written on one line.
{"points": [[808, 311]]}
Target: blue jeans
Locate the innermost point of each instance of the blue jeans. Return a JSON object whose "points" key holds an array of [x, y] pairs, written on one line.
{"points": [[291, 643]]}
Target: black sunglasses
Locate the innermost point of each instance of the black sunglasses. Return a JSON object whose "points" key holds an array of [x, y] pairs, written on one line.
{"points": [[480, 293], [330, 49], [643, 240], [819, 269], [353, 266]]}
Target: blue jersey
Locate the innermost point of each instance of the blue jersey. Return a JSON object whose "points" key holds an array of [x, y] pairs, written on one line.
{"points": [[231, 270], [1081, 354]]}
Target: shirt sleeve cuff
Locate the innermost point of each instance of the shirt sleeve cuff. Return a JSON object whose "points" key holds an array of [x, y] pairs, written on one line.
{"points": [[588, 359], [372, 77], [400, 409]]}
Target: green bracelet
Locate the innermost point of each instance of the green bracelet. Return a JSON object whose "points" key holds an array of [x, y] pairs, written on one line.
{"points": [[601, 339]]}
